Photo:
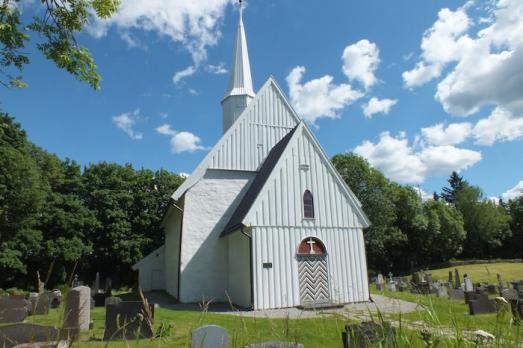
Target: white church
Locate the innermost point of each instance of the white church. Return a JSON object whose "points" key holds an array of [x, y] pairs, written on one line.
{"points": [[265, 220]]}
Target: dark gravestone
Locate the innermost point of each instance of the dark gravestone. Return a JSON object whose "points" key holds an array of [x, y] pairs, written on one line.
{"points": [[457, 280], [450, 278], [20, 334], [13, 310], [275, 345], [40, 304], [509, 294], [128, 320], [368, 334], [481, 304], [492, 289], [99, 299]]}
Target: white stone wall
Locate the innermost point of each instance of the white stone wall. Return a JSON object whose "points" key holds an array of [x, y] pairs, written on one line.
{"points": [[209, 205], [153, 265], [239, 285], [172, 245]]}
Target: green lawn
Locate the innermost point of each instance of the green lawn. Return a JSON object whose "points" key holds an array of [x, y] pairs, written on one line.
{"points": [[484, 272]]}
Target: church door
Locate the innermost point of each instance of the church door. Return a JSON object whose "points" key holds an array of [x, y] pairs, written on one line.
{"points": [[312, 273]]}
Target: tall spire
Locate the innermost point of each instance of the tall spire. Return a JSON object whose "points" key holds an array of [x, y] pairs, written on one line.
{"points": [[240, 91], [240, 81]]}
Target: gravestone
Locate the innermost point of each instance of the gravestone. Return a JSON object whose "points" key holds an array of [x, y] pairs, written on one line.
{"points": [[492, 289], [99, 299], [456, 294], [392, 286], [442, 291], [481, 304], [428, 279], [112, 300], [96, 284], [469, 287], [56, 298], [457, 280], [29, 335], [75, 283], [108, 288], [450, 278], [380, 282], [40, 304], [209, 336], [368, 334], [129, 319], [77, 313], [13, 310], [275, 345]]}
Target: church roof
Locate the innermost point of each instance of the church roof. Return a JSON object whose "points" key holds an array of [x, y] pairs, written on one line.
{"points": [[259, 181], [240, 82]]}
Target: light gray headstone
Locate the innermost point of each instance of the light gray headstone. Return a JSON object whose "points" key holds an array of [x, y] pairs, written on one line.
{"points": [[392, 286], [468, 284], [379, 279], [442, 291], [77, 314], [209, 336]]}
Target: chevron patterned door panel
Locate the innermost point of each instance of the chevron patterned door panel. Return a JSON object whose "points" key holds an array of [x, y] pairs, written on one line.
{"points": [[313, 278]]}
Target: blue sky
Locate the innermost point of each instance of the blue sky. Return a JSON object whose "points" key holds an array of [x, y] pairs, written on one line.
{"points": [[441, 83]]}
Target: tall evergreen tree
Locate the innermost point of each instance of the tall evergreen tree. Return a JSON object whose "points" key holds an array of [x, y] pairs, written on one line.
{"points": [[456, 183]]}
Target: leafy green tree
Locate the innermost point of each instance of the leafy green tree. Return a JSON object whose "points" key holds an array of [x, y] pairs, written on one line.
{"points": [[384, 240], [21, 199], [486, 223], [515, 243], [57, 24], [445, 232]]}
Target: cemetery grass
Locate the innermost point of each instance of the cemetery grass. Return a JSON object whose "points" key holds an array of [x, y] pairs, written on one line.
{"points": [[485, 272], [323, 332], [453, 315]]}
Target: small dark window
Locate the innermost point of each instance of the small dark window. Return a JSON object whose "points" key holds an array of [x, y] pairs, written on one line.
{"points": [[308, 205]]}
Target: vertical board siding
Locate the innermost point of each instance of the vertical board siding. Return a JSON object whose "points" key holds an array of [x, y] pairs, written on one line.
{"points": [[280, 202], [278, 287], [267, 121]]}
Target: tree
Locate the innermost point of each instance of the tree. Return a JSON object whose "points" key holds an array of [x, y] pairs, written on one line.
{"points": [[513, 245], [383, 239], [456, 183], [21, 199], [486, 224], [57, 25]]}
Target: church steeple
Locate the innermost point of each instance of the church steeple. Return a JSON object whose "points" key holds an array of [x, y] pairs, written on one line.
{"points": [[240, 91]]}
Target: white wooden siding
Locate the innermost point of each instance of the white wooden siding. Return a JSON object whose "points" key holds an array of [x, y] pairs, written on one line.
{"points": [[268, 119], [280, 201], [278, 287], [265, 121]]}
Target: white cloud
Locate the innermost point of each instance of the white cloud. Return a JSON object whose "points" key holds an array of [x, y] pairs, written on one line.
{"points": [[485, 67], [182, 74], [181, 141], [193, 91], [318, 98], [453, 134], [194, 24], [409, 164], [440, 45], [501, 125], [376, 106], [360, 60], [514, 192], [126, 122], [218, 69]]}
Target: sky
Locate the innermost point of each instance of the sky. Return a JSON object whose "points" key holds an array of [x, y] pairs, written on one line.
{"points": [[419, 88]]}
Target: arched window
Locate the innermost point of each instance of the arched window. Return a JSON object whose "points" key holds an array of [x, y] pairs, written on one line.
{"points": [[311, 246], [308, 205]]}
